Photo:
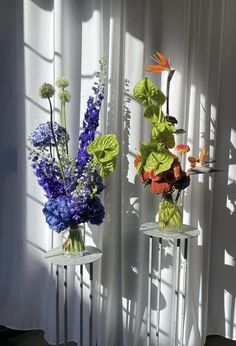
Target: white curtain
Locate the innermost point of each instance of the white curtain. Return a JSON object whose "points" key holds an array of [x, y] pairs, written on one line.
{"points": [[43, 39]]}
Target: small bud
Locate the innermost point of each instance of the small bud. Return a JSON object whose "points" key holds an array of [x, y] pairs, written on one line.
{"points": [[46, 91], [65, 96], [62, 82]]}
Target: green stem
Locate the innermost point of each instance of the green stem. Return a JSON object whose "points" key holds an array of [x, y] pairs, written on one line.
{"points": [[170, 216], [177, 196], [168, 210], [170, 75], [50, 149], [76, 240], [64, 118], [61, 115], [56, 146]]}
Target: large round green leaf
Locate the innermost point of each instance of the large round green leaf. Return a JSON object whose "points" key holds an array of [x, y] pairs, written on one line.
{"points": [[145, 91], [159, 161], [104, 148], [108, 167]]}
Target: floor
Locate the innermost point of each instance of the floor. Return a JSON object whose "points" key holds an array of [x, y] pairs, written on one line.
{"points": [[35, 338]]}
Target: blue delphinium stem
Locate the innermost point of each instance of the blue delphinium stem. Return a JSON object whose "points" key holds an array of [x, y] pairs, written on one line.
{"points": [[91, 118], [90, 124]]}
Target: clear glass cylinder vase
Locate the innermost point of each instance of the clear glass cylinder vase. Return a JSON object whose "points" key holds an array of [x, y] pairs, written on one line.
{"points": [[73, 244], [170, 215]]}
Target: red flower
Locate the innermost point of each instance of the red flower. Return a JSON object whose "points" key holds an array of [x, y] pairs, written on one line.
{"points": [[182, 148], [153, 176], [137, 160], [144, 176], [156, 187]]}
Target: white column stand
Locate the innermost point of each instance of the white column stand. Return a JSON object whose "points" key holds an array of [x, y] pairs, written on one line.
{"points": [[180, 242], [58, 258]]}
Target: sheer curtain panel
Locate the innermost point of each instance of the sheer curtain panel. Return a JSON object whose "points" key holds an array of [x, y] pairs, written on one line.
{"points": [[43, 39]]}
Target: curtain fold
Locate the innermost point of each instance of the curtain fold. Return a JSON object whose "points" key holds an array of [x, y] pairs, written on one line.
{"points": [[41, 40]]}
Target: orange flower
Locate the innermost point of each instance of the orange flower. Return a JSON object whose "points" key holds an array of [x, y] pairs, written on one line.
{"points": [[177, 171], [156, 187], [153, 176], [202, 156], [144, 176], [162, 63], [182, 148], [201, 160], [193, 161], [137, 160]]}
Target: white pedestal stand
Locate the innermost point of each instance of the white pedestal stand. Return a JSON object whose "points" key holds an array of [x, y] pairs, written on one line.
{"points": [[56, 257], [181, 243]]}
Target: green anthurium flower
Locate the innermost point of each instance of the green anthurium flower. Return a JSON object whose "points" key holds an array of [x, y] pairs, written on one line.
{"points": [[104, 149], [160, 161], [146, 91]]}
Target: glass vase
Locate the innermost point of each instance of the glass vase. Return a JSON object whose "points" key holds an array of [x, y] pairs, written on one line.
{"points": [[170, 215], [73, 244]]}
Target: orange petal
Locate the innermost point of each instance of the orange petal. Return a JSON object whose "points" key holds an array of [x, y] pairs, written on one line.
{"points": [[144, 176], [177, 172], [164, 60], [159, 187], [153, 176], [137, 160], [202, 156], [155, 68], [182, 148], [192, 159]]}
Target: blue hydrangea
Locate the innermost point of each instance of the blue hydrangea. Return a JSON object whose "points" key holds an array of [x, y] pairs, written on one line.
{"points": [[57, 213], [98, 181], [42, 135], [97, 211]]}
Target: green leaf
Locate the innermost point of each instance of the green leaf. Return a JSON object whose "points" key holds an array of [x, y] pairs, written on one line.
{"points": [[155, 134], [94, 190], [145, 91], [104, 148], [163, 133], [108, 167], [169, 140], [140, 166], [159, 161], [146, 149], [154, 114], [161, 127]]}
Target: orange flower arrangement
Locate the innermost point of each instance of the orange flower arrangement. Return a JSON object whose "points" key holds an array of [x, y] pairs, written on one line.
{"points": [[157, 165]]}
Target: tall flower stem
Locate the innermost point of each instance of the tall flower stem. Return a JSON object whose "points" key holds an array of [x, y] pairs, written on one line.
{"points": [[170, 75], [177, 196], [64, 119], [63, 122], [50, 149], [56, 146], [61, 115]]}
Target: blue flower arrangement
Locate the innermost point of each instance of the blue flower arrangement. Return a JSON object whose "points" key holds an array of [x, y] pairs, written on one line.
{"points": [[72, 185]]}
